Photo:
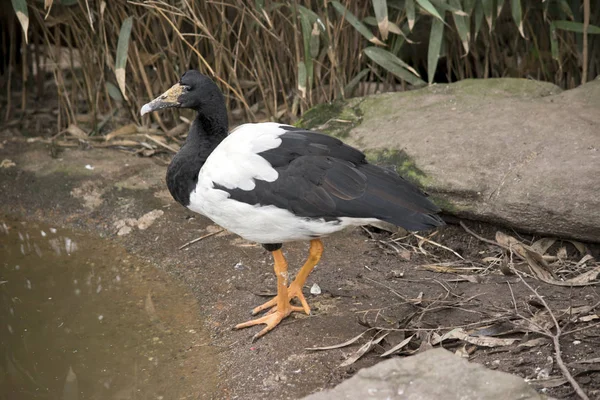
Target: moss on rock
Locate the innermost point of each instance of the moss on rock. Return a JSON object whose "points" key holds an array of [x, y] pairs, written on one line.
{"points": [[401, 162], [336, 119]]}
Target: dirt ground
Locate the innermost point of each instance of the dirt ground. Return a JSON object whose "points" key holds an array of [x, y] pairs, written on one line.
{"points": [[366, 280]]}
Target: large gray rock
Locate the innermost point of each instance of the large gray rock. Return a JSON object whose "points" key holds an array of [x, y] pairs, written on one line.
{"points": [[431, 375], [511, 151]]}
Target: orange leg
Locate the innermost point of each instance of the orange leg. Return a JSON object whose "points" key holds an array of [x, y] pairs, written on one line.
{"points": [[295, 289], [282, 302]]}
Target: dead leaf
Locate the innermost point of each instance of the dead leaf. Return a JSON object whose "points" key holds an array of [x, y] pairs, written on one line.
{"points": [[364, 349], [581, 248], [541, 246], [469, 278], [124, 130], [577, 310], [6, 163], [338, 346], [540, 268], [587, 278], [544, 373], [547, 383], [491, 259], [419, 299], [484, 341], [588, 361], [535, 342], [584, 259], [562, 253], [497, 329], [589, 318], [125, 143], [398, 347], [440, 268], [77, 132]]}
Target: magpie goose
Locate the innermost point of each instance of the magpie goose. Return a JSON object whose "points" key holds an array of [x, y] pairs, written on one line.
{"points": [[273, 183]]}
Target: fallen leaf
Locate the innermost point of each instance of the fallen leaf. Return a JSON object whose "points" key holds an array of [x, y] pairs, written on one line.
{"points": [[589, 318], [419, 299], [470, 278], [124, 130], [484, 341], [6, 163], [441, 268], [77, 132], [581, 248], [562, 253], [544, 373], [587, 278], [491, 259], [541, 246], [547, 383], [398, 347], [337, 346], [364, 349], [584, 259], [497, 329], [535, 342], [540, 268], [588, 361]]}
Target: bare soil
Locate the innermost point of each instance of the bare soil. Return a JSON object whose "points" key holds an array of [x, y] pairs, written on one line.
{"points": [[364, 281]]}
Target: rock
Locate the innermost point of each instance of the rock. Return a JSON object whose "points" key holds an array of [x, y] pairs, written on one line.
{"points": [[433, 374], [511, 151], [148, 219]]}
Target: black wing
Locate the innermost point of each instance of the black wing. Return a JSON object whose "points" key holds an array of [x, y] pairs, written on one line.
{"points": [[321, 177]]}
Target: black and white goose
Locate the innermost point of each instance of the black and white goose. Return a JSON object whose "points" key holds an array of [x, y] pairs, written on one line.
{"points": [[273, 183]]}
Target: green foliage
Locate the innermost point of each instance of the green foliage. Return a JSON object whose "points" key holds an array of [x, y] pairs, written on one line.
{"points": [[122, 49], [275, 59], [20, 7]]}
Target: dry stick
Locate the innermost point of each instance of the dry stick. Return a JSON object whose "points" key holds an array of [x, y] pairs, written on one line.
{"points": [[586, 24], [555, 341], [489, 241], [438, 245], [158, 142], [406, 299], [555, 337], [200, 238]]}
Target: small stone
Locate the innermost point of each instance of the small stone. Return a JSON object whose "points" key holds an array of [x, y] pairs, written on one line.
{"points": [[315, 289]]}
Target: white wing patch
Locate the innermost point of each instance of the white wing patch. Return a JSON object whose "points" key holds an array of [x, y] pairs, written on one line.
{"points": [[235, 163]]}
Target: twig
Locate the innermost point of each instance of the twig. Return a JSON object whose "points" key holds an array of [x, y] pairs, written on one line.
{"points": [[438, 245], [406, 299], [586, 25], [513, 298], [200, 238], [556, 341], [481, 237], [581, 329], [489, 241], [158, 142]]}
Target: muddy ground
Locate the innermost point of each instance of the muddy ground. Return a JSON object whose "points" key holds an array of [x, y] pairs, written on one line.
{"points": [[364, 281]]}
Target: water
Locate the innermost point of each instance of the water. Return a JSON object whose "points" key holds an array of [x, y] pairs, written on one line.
{"points": [[81, 319]]}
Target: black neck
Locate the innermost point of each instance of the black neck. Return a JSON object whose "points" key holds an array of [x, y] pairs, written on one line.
{"points": [[207, 131]]}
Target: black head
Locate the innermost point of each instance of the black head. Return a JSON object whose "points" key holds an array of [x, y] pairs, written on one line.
{"points": [[194, 90]]}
